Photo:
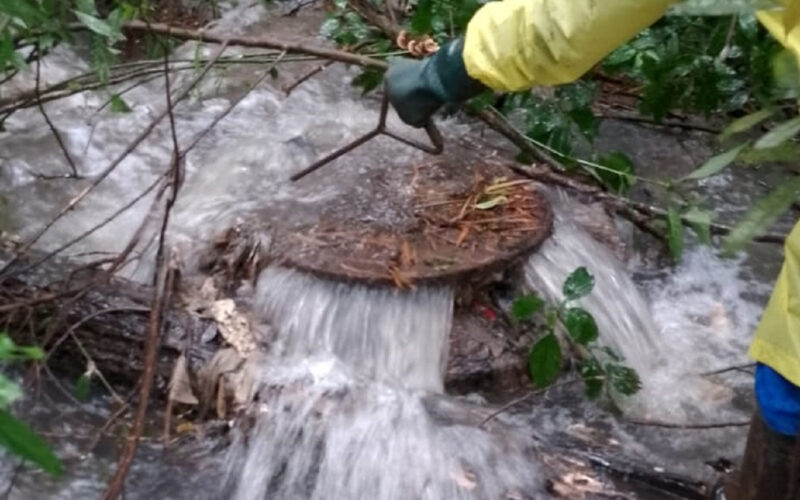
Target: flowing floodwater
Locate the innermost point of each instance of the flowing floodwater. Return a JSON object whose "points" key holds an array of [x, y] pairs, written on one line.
{"points": [[345, 393], [343, 408]]}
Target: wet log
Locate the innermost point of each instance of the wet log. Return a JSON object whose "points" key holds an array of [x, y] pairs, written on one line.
{"points": [[77, 316]]}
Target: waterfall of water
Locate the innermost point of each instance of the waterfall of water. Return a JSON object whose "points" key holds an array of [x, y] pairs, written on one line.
{"points": [[343, 398], [621, 312]]}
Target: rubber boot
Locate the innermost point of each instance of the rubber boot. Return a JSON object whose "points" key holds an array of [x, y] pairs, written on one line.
{"points": [[770, 468]]}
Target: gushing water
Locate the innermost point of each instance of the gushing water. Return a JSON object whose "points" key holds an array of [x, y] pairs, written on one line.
{"points": [[346, 402], [621, 312]]}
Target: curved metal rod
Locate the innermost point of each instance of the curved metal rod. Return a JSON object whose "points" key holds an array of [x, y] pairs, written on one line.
{"points": [[436, 147]]}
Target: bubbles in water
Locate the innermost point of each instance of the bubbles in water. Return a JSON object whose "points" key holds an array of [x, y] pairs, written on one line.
{"points": [[342, 414], [622, 315]]}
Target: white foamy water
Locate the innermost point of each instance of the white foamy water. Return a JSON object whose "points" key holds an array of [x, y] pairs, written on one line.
{"points": [[343, 403], [621, 312]]}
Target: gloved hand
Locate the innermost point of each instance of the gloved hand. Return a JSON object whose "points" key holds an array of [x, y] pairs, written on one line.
{"points": [[417, 88]]}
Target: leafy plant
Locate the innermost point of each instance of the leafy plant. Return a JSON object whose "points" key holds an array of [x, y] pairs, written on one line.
{"points": [[16, 436], [599, 367]]}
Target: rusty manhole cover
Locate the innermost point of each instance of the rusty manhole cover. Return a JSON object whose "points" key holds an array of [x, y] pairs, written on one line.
{"points": [[460, 220]]}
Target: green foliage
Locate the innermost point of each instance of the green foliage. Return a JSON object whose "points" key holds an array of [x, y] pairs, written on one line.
{"points": [[15, 436], [618, 172], [442, 19], [82, 386], [716, 164], [525, 307], [699, 64], [596, 364], [118, 105], [578, 284], [544, 360], [561, 120], [745, 123], [759, 218], [580, 325], [674, 234], [700, 221], [42, 24], [778, 135]]}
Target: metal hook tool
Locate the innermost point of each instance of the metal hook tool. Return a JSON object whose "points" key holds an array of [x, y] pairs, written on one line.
{"points": [[436, 147]]}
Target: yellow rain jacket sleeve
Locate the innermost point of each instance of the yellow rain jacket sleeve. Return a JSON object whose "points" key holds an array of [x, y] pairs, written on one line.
{"points": [[777, 339], [518, 44]]}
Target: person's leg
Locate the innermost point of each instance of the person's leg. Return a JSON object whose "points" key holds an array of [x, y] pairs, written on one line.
{"points": [[768, 470]]}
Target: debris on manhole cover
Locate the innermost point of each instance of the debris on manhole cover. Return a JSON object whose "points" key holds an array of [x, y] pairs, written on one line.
{"points": [[461, 220]]}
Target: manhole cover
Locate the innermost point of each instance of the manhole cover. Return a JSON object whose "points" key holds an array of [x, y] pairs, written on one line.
{"points": [[458, 220]]}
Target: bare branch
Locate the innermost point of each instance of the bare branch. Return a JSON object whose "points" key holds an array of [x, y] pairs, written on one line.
{"points": [[53, 129]]}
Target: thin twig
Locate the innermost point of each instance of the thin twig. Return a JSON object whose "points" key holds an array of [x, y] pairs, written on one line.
{"points": [[742, 367], [110, 168], [668, 425], [161, 297], [521, 399], [636, 118], [318, 69], [49, 255], [114, 416], [225, 113], [53, 129]]}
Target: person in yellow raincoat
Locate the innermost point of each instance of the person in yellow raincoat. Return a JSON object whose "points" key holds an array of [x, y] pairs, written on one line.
{"points": [[513, 45]]}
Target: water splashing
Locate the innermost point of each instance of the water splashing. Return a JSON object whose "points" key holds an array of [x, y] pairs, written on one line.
{"points": [[346, 402], [621, 312]]}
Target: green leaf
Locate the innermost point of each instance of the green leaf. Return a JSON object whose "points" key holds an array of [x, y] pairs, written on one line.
{"points": [[9, 391], [118, 105], [745, 123], [623, 379], [422, 19], [700, 222], [618, 174], [786, 73], [22, 10], [761, 216], [491, 202], [578, 284], [11, 351], [580, 325], [329, 27], [18, 439], [368, 80], [716, 164], [593, 378], [99, 26], [674, 234], [523, 308], [781, 133], [82, 386], [544, 361], [787, 153]]}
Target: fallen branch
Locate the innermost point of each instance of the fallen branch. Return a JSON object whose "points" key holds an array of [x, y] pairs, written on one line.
{"points": [[259, 41]]}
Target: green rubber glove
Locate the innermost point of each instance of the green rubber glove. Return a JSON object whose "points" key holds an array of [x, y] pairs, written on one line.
{"points": [[417, 88]]}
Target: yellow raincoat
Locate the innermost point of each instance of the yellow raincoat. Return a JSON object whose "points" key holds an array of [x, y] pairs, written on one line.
{"points": [[517, 44]]}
